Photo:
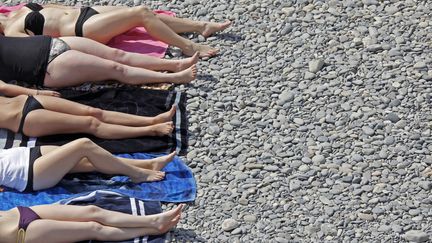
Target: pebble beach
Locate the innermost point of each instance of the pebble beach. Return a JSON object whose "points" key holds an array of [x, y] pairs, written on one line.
{"points": [[313, 124]]}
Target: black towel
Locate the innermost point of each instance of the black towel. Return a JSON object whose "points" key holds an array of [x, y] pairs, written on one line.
{"points": [[133, 101]]}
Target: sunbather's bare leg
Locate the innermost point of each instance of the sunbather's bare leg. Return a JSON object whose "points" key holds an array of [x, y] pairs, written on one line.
{"points": [[179, 25], [51, 167], [44, 122], [50, 231], [73, 108], [74, 68], [182, 25], [102, 27], [151, 164], [106, 217], [85, 166], [129, 58]]}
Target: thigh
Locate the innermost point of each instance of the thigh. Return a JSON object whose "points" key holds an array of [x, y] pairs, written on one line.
{"points": [[44, 122], [65, 212], [53, 231], [104, 26], [46, 149], [63, 105], [73, 68], [91, 47], [50, 168]]}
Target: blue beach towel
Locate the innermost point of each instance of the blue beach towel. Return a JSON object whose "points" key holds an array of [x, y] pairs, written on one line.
{"points": [[178, 186]]}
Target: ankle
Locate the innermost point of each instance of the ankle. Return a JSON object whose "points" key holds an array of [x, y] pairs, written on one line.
{"points": [[201, 26]]}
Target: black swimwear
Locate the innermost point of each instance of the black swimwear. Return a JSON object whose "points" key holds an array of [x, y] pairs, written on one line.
{"points": [[34, 21], [85, 14], [35, 153], [31, 104], [24, 59]]}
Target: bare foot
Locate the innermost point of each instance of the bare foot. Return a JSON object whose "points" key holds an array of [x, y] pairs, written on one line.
{"points": [[185, 76], [160, 162], [204, 50], [161, 129], [167, 220], [166, 116], [148, 175], [187, 62], [210, 28]]}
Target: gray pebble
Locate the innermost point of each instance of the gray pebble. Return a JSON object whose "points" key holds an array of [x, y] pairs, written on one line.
{"points": [[230, 224], [316, 65], [416, 236]]}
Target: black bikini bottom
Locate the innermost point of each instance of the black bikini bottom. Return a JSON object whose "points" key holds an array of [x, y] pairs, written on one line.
{"points": [[31, 104], [35, 153], [85, 14]]}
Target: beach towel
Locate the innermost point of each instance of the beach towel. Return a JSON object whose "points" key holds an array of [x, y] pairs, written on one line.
{"points": [[129, 100], [7, 9], [120, 203], [135, 40], [179, 185], [138, 40]]}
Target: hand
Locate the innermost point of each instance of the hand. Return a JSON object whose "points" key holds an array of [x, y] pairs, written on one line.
{"points": [[48, 93]]}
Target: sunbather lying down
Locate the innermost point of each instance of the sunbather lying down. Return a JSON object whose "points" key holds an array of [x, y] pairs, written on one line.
{"points": [[38, 168], [71, 61], [68, 223], [43, 115], [101, 23]]}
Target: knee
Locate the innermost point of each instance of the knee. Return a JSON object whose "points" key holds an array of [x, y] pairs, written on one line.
{"points": [[118, 55], [118, 68], [93, 124], [83, 143], [95, 112], [96, 228], [144, 11], [93, 212]]}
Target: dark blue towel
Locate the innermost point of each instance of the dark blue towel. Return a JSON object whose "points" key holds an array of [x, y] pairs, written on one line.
{"points": [[120, 203], [178, 186]]}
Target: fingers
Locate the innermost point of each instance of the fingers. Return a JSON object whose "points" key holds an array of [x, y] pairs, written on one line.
{"points": [[49, 93], [55, 94]]}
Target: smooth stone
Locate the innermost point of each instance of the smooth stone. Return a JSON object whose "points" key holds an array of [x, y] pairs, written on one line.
{"points": [[250, 218], [365, 216], [303, 168], [316, 65], [393, 117], [298, 121], [368, 131], [271, 168], [230, 224], [389, 140], [325, 200], [374, 48], [416, 236], [426, 185], [318, 159], [294, 185], [285, 97], [357, 157], [420, 65]]}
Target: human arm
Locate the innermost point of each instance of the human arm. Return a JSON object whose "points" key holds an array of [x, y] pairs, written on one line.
{"points": [[15, 90]]}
